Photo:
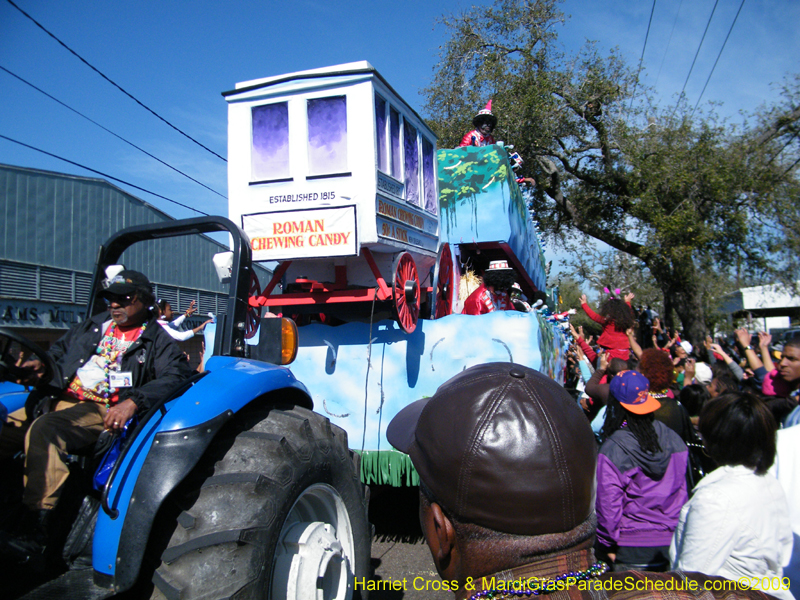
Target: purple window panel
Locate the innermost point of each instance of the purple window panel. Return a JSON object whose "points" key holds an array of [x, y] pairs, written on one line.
{"points": [[380, 125], [270, 156], [412, 163], [429, 177], [394, 123], [327, 135]]}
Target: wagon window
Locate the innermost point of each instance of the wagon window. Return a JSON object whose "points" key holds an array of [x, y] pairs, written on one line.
{"points": [[380, 128], [428, 176], [327, 136], [270, 154], [411, 163], [394, 122]]}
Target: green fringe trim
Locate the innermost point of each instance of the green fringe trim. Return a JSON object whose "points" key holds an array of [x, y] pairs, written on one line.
{"points": [[387, 467]]}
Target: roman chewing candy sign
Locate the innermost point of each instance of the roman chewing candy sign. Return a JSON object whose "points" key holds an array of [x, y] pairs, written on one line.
{"points": [[311, 233]]}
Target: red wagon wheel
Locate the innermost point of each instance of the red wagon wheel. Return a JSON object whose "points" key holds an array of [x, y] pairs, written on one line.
{"points": [[253, 316], [406, 292], [445, 283]]}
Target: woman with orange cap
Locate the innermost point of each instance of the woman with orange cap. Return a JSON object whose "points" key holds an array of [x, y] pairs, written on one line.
{"points": [[641, 479]]}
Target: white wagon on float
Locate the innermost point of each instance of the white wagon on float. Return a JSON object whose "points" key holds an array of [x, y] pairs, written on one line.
{"points": [[332, 175]]}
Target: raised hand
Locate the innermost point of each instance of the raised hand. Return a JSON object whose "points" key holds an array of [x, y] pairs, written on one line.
{"points": [[764, 339], [743, 336]]}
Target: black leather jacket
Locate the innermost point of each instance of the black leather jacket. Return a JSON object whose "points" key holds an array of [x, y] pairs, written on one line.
{"points": [[155, 361]]}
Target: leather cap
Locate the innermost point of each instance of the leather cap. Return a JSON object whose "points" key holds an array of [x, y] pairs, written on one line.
{"points": [[505, 447]]}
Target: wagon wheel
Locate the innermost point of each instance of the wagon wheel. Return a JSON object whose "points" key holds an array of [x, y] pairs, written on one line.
{"points": [[406, 292], [253, 316], [445, 283]]}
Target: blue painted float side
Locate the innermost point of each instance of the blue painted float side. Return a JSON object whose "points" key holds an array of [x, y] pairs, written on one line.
{"points": [[361, 386], [480, 201]]}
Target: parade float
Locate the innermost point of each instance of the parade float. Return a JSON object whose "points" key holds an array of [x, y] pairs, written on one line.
{"points": [[338, 183]]}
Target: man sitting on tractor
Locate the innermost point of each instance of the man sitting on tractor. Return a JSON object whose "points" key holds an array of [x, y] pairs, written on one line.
{"points": [[106, 371]]}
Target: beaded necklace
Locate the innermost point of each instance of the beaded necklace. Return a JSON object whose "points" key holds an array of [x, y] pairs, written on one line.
{"points": [[544, 585], [108, 350]]}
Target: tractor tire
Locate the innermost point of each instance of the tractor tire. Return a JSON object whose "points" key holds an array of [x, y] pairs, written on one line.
{"points": [[275, 509]]}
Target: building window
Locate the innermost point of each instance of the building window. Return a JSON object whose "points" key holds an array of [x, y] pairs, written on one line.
{"points": [[429, 177], [380, 130], [411, 163], [394, 125], [327, 136], [270, 155]]}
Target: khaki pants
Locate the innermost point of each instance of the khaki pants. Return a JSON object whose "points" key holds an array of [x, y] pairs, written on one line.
{"points": [[12, 436], [70, 426]]}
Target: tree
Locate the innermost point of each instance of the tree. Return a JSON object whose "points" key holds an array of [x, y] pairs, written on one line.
{"points": [[570, 291], [612, 269], [674, 188], [601, 269]]}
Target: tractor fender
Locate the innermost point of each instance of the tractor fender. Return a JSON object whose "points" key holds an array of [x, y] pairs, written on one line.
{"points": [[12, 396], [167, 449]]}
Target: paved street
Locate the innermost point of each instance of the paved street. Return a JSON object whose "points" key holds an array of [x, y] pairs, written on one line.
{"points": [[395, 560], [398, 550]]}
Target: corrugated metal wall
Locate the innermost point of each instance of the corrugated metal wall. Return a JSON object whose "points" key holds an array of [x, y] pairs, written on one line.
{"points": [[59, 220]]}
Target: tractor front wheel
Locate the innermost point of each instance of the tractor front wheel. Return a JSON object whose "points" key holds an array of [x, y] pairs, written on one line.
{"points": [[275, 509]]}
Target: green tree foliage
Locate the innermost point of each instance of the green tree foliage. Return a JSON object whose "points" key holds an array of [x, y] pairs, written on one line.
{"points": [[614, 269], [600, 269], [570, 292], [680, 191]]}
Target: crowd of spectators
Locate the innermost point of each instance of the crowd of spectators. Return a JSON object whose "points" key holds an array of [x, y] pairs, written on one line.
{"points": [[689, 474]]}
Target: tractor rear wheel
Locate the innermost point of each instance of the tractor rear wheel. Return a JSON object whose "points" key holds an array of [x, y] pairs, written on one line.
{"points": [[275, 509]]}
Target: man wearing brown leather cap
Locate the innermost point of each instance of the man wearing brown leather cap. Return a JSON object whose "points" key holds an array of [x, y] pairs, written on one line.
{"points": [[506, 461]]}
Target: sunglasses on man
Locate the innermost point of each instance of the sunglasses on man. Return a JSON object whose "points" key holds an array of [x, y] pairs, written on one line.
{"points": [[123, 301]]}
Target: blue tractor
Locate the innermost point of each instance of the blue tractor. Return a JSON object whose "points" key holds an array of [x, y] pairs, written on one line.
{"points": [[231, 488]]}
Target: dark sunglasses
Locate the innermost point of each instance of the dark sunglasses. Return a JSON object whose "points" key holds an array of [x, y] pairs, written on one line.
{"points": [[123, 301]]}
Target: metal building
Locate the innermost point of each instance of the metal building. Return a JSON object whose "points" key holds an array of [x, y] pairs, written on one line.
{"points": [[51, 226]]}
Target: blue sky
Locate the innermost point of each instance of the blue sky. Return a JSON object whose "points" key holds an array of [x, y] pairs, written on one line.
{"points": [[177, 57]]}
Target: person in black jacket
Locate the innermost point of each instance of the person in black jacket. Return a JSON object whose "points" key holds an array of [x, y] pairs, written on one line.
{"points": [[107, 369]]}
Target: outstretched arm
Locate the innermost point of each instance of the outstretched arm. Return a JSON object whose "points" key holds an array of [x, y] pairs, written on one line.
{"points": [[635, 347], [744, 341], [589, 312], [734, 368], [587, 350], [764, 341]]}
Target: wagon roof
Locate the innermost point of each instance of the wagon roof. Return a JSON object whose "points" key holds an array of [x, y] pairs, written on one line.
{"points": [[343, 70]]}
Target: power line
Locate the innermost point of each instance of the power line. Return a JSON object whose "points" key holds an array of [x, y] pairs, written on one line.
{"points": [[669, 41], [122, 181], [698, 47], [111, 132], [131, 96], [718, 55], [641, 58]]}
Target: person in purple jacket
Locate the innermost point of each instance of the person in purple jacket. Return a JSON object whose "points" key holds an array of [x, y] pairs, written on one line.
{"points": [[641, 479]]}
